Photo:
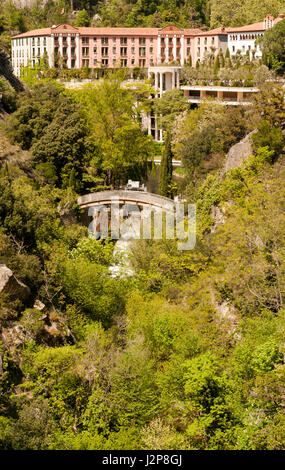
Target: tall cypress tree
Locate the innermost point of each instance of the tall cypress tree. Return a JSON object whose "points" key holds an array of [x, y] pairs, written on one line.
{"points": [[228, 59], [165, 178], [222, 60], [217, 65]]}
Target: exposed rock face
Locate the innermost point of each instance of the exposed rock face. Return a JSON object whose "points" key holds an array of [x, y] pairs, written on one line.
{"points": [[9, 284], [38, 305], [218, 215], [239, 152], [34, 326], [228, 318], [14, 337]]}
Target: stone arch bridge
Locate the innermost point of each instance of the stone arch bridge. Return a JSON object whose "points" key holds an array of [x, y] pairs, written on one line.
{"points": [[139, 198]]}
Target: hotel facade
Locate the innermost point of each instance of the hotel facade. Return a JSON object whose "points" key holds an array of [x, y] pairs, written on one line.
{"points": [[132, 47]]}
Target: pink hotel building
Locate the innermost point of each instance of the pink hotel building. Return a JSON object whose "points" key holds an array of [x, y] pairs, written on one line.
{"points": [[132, 47]]}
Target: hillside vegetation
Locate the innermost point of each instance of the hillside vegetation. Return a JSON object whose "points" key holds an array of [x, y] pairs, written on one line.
{"points": [[189, 352]]}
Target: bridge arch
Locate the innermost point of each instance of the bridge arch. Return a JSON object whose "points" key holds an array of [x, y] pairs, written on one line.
{"points": [[140, 198]]}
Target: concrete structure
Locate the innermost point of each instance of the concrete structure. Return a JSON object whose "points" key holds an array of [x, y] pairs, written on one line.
{"points": [[140, 198], [75, 47], [234, 96], [164, 78]]}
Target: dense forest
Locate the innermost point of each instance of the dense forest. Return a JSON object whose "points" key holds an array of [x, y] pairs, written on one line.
{"points": [[188, 352]]}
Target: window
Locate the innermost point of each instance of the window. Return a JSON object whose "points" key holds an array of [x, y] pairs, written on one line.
{"points": [[123, 51], [198, 52], [39, 41], [151, 61], [198, 40], [95, 39], [105, 62], [64, 39], [205, 40], [73, 51], [114, 39], [133, 50], [151, 50], [141, 40], [114, 50], [133, 61], [95, 61], [85, 51], [233, 48], [178, 41], [104, 40], [124, 62], [94, 50], [45, 41], [133, 39], [104, 51], [85, 40], [85, 62], [151, 39], [188, 50], [188, 41], [33, 41], [39, 51], [34, 53], [64, 51], [142, 51], [170, 40], [123, 40], [213, 40], [142, 62], [72, 63], [72, 39]]}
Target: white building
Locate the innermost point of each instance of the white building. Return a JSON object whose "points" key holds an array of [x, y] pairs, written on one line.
{"points": [[28, 50], [242, 39]]}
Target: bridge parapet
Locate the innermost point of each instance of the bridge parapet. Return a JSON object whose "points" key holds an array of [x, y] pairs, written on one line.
{"points": [[140, 198]]}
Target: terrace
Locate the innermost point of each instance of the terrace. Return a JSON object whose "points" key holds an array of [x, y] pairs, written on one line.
{"points": [[234, 96]]}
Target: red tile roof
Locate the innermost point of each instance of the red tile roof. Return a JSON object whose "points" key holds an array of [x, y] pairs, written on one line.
{"points": [[213, 32], [108, 31], [118, 31], [253, 27], [34, 32]]}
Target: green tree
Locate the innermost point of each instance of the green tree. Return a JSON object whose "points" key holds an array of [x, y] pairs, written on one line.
{"points": [[217, 65], [53, 128], [169, 106], [272, 47], [82, 19], [122, 148]]}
